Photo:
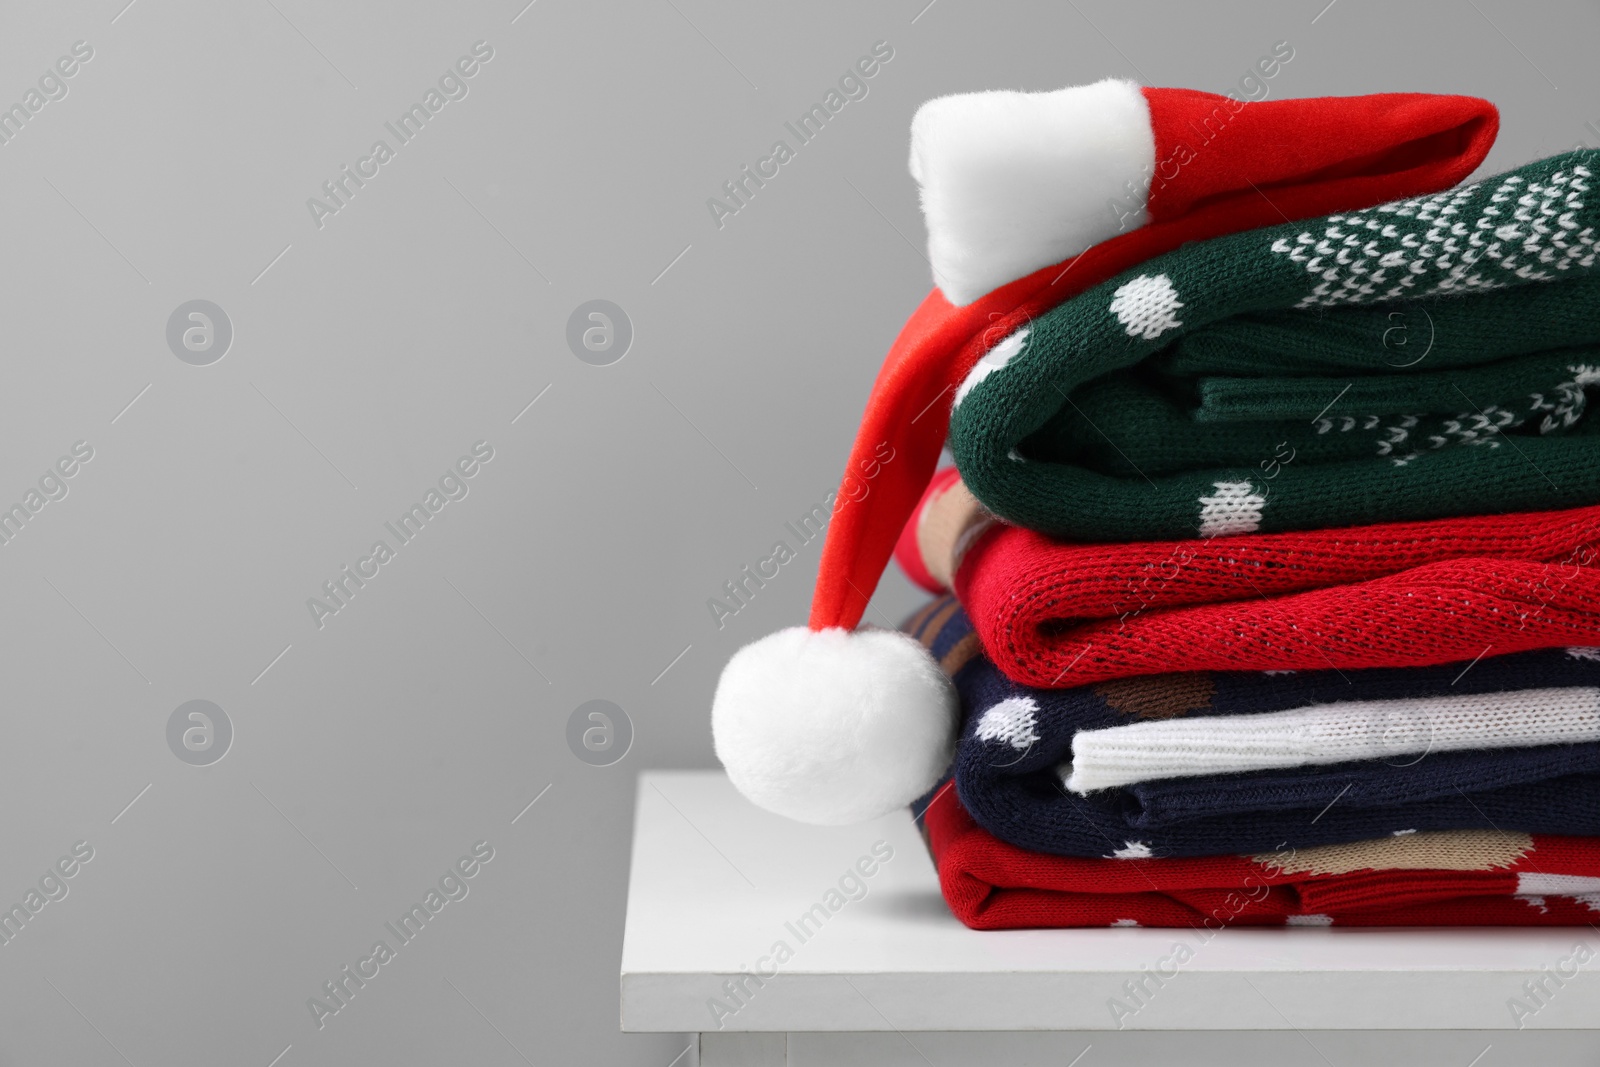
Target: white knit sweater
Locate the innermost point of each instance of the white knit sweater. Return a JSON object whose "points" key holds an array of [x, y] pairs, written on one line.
{"points": [[1329, 733]]}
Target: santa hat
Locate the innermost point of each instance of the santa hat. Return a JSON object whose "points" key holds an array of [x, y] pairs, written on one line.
{"points": [[1029, 199]]}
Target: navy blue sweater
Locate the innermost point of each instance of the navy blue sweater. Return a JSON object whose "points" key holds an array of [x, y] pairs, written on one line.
{"points": [[1015, 792]]}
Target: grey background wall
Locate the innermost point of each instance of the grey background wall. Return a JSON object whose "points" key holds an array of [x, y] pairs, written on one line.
{"points": [[372, 348]]}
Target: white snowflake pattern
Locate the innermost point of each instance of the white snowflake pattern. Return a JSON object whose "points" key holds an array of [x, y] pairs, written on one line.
{"points": [[1145, 306], [1538, 883], [994, 359], [1013, 721], [1483, 428], [1425, 247], [1236, 508], [1570, 400]]}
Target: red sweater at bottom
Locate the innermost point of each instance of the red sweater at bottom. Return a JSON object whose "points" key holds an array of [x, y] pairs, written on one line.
{"points": [[1444, 878]]}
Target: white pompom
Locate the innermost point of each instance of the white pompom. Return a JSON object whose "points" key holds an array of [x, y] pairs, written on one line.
{"points": [[833, 726]]}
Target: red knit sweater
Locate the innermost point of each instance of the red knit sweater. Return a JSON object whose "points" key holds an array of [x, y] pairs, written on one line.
{"points": [[1058, 615], [1451, 878]]}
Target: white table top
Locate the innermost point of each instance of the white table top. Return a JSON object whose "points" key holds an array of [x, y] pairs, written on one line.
{"points": [[715, 881]]}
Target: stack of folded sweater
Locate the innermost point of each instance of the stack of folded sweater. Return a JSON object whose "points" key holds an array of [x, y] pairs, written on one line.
{"points": [[1269, 559]]}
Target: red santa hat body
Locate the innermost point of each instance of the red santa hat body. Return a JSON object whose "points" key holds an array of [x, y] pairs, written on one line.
{"points": [[1030, 199]]}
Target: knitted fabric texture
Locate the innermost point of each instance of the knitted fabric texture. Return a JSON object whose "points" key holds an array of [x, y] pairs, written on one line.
{"points": [[1342, 732], [1014, 739], [1452, 878], [1054, 613], [1426, 358]]}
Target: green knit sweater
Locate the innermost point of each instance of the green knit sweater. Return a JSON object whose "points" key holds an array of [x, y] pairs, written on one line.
{"points": [[1421, 359]]}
